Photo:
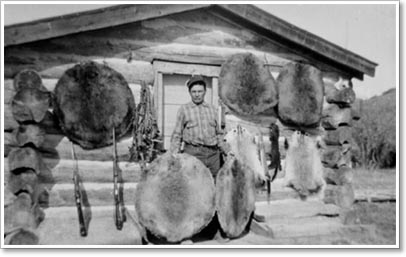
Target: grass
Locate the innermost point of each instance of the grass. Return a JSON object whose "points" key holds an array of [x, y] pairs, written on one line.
{"points": [[382, 215]]}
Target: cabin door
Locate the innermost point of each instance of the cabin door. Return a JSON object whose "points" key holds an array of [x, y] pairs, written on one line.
{"points": [[171, 91]]}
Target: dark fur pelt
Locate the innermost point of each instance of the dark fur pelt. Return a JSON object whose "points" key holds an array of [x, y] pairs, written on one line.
{"points": [[246, 86], [90, 100], [274, 155], [301, 92]]}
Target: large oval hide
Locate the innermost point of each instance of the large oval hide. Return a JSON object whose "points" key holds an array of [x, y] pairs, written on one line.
{"points": [[90, 100], [246, 87], [175, 197], [301, 93], [235, 196]]}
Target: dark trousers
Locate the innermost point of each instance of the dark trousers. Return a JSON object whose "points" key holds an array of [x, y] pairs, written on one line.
{"points": [[209, 155]]}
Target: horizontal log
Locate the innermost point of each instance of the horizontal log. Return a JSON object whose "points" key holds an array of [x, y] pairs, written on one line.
{"points": [[206, 54], [61, 227], [61, 171], [94, 194], [59, 147], [334, 116], [133, 71], [337, 94], [339, 136], [30, 133], [101, 194], [340, 176], [375, 195], [284, 210], [336, 156], [306, 227], [356, 109]]}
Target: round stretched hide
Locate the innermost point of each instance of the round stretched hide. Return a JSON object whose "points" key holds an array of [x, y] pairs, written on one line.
{"points": [[28, 79], [301, 92], [90, 100], [30, 104], [235, 196], [246, 87], [175, 197]]}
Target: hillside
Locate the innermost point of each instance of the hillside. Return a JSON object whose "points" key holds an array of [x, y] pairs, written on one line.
{"points": [[375, 132]]}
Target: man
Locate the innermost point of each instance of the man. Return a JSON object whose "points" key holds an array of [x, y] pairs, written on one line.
{"points": [[197, 126]]}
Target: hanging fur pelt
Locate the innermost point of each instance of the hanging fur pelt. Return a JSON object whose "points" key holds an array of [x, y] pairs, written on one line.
{"points": [[303, 167], [301, 93], [246, 87]]}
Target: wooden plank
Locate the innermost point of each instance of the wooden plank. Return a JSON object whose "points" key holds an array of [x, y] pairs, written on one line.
{"points": [[60, 171], [170, 119], [309, 44], [215, 94], [376, 195], [159, 100], [186, 69], [90, 20], [205, 54]]}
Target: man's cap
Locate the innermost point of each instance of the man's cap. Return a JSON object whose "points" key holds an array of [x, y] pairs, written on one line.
{"points": [[194, 80]]}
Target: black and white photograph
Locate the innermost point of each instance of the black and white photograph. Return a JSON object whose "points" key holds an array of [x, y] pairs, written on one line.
{"points": [[200, 124]]}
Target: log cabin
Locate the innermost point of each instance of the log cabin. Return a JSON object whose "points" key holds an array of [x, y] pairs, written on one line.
{"points": [[160, 45]]}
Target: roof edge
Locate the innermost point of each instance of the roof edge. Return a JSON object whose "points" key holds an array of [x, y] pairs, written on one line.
{"points": [[298, 36], [89, 20]]}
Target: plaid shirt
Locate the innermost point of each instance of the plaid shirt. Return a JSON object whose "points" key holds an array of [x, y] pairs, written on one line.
{"points": [[196, 125]]}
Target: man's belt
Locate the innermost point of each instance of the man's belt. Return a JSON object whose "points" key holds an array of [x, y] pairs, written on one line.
{"points": [[213, 147]]}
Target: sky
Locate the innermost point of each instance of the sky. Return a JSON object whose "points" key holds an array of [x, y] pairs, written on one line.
{"points": [[366, 29]]}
